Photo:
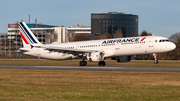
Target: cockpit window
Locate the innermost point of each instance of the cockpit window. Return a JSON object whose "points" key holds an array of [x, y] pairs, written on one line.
{"points": [[163, 40]]}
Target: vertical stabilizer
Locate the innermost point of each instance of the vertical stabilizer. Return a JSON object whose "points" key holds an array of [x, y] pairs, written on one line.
{"points": [[27, 36]]}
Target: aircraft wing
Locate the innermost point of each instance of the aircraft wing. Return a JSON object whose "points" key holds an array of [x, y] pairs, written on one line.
{"points": [[73, 51]]}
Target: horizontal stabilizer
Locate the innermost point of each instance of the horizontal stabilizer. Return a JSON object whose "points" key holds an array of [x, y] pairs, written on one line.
{"points": [[23, 50]]}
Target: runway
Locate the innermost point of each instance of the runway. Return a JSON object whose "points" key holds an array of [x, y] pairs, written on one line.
{"points": [[93, 68]]}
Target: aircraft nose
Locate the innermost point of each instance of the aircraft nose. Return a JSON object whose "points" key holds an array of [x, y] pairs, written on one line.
{"points": [[173, 46]]}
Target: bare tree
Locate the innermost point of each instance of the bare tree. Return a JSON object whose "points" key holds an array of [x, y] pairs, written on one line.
{"points": [[70, 39], [106, 36], [144, 33], [82, 37], [136, 34], [118, 34], [175, 38]]}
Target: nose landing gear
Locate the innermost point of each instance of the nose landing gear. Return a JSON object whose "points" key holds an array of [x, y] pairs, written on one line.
{"points": [[155, 59]]}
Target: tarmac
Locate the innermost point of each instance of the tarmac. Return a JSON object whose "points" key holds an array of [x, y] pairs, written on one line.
{"points": [[93, 68]]}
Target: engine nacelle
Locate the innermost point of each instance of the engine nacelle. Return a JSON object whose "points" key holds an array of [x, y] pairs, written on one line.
{"points": [[95, 56], [122, 58]]}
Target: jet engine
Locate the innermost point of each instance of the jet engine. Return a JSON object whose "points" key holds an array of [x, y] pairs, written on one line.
{"points": [[122, 58], [95, 56]]}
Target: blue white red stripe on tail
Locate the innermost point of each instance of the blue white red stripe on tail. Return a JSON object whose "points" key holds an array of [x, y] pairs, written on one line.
{"points": [[24, 39]]}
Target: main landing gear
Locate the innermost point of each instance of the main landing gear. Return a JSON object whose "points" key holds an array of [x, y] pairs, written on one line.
{"points": [[155, 59], [84, 63], [101, 63]]}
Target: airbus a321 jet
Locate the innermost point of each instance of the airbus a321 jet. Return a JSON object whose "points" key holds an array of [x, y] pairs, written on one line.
{"points": [[119, 49]]}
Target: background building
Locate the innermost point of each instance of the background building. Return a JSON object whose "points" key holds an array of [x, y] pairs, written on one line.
{"points": [[46, 34], [108, 23], [75, 30]]}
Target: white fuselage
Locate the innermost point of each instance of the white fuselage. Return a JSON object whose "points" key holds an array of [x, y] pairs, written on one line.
{"points": [[110, 47]]}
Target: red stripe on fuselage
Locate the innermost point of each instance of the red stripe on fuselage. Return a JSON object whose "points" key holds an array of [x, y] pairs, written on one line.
{"points": [[143, 39], [24, 38]]}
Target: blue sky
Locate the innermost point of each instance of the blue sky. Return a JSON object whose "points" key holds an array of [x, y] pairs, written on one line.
{"points": [[160, 17]]}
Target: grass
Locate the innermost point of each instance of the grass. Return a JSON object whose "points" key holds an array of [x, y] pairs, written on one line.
{"points": [[73, 85], [76, 62], [63, 85]]}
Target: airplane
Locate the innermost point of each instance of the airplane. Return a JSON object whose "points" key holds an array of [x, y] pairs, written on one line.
{"points": [[119, 49]]}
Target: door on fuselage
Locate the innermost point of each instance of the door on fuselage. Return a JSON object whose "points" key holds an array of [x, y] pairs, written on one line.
{"points": [[151, 42], [38, 53]]}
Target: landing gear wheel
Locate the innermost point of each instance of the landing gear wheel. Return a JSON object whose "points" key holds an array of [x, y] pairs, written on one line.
{"points": [[155, 59], [101, 63], [82, 63]]}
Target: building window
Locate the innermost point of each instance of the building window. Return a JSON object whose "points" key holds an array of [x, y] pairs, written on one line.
{"points": [[99, 21], [106, 21], [104, 25], [103, 30], [103, 21]]}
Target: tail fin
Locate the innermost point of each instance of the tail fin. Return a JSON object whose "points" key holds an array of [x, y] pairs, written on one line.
{"points": [[28, 38]]}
